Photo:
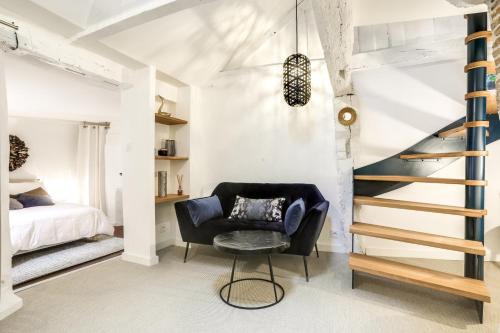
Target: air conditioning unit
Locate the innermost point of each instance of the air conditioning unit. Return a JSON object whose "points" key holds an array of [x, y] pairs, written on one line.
{"points": [[8, 36]]}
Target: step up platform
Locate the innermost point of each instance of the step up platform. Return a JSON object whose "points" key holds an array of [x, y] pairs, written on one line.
{"points": [[420, 238], [413, 179], [419, 206], [449, 283]]}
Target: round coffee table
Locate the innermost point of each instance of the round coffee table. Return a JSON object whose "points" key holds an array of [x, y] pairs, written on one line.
{"points": [[252, 242]]}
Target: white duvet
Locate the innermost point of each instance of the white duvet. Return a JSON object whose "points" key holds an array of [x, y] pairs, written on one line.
{"points": [[31, 228]]}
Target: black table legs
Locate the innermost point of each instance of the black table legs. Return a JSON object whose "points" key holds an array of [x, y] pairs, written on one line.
{"points": [[272, 276], [232, 281], [232, 278]]}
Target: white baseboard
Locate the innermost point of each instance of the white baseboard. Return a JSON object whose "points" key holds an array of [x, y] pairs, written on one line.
{"points": [[165, 244], [9, 303], [141, 260]]}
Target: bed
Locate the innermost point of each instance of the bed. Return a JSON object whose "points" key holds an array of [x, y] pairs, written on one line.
{"points": [[38, 227]]}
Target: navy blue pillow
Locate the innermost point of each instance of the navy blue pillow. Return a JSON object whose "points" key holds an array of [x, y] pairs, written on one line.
{"points": [[294, 215], [204, 209], [29, 200]]}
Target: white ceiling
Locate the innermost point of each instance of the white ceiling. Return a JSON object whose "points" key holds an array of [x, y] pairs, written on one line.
{"points": [[195, 44], [192, 40]]}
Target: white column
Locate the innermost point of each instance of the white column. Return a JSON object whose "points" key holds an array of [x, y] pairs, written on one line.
{"points": [[138, 167], [9, 302]]}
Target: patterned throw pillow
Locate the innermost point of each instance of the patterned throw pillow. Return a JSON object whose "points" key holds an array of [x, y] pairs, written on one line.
{"points": [[257, 209]]}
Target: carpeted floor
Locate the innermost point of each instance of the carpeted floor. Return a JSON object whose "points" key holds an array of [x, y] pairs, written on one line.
{"points": [[116, 296]]}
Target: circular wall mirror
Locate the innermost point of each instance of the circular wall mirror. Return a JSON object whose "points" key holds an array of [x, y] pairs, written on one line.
{"points": [[347, 116]]}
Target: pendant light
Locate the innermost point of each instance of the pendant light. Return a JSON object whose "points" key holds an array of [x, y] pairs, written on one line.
{"points": [[297, 73]]}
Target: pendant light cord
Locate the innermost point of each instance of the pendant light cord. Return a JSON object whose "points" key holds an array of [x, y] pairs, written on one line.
{"points": [[296, 27]]}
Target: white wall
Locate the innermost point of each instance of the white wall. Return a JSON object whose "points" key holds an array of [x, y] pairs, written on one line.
{"points": [[39, 90], [52, 149], [138, 104], [245, 132], [8, 301], [399, 106]]}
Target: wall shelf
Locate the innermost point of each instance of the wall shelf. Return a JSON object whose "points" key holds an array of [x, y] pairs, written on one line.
{"points": [[171, 158], [168, 120], [171, 198]]}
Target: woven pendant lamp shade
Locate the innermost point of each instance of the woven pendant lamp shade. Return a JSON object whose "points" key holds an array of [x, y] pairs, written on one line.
{"points": [[297, 80], [297, 73]]}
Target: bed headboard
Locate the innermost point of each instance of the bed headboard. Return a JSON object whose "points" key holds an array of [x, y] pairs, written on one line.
{"points": [[17, 186]]}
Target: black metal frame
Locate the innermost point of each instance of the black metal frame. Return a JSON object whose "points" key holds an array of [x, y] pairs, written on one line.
{"points": [[233, 281], [476, 140]]}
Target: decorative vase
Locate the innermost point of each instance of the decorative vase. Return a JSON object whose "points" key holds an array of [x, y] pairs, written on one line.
{"points": [[171, 147], [162, 183]]}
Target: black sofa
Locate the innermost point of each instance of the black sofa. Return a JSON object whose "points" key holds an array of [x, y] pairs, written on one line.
{"points": [[302, 241]]}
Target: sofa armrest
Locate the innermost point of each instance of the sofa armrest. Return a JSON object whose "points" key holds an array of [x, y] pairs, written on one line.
{"points": [[186, 225], [303, 240]]}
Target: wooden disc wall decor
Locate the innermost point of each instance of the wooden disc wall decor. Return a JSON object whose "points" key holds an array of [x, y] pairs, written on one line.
{"points": [[18, 153], [347, 116]]}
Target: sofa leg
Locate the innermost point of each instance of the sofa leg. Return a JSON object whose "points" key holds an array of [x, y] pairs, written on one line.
{"points": [[186, 252], [305, 268], [316, 247]]}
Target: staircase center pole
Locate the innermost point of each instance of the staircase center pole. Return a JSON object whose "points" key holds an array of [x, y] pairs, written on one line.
{"points": [[476, 140]]}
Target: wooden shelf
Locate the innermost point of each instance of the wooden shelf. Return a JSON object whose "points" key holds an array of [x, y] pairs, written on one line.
{"points": [[167, 120], [171, 158], [414, 237], [171, 198], [412, 179], [419, 206], [424, 156], [449, 283]]}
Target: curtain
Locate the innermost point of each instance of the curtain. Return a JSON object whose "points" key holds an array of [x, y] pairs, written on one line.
{"points": [[90, 165]]}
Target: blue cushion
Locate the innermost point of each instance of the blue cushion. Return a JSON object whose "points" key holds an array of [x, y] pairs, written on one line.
{"points": [[294, 215], [29, 200], [204, 209]]}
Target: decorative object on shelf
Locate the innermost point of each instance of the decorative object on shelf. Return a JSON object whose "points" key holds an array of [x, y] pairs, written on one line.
{"points": [[160, 108], [162, 183], [163, 151], [347, 116], [171, 147], [297, 73], [18, 153], [179, 182]]}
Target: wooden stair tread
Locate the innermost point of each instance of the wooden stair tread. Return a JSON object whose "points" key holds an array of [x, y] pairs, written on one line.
{"points": [[419, 206], [461, 131], [489, 65], [477, 35], [413, 179], [423, 156], [421, 238], [449, 283]]}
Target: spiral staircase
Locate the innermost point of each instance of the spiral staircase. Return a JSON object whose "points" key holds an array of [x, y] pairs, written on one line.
{"points": [[467, 137]]}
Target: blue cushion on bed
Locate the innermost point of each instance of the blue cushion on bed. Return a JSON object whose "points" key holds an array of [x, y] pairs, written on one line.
{"points": [[294, 215], [204, 209], [14, 204], [30, 200]]}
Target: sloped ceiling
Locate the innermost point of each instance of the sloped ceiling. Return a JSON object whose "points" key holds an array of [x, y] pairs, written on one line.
{"points": [[196, 43]]}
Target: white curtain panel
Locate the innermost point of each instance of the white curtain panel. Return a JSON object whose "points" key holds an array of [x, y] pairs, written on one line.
{"points": [[90, 166]]}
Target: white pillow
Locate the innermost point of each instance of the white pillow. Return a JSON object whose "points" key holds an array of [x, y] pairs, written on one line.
{"points": [[16, 188]]}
